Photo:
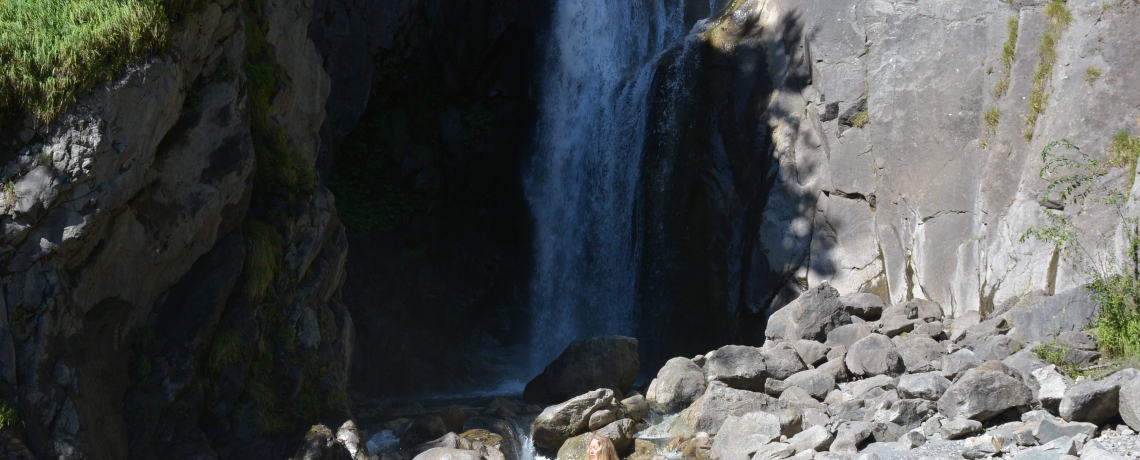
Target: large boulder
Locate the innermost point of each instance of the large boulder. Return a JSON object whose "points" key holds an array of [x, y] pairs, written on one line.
{"points": [[1072, 310], [847, 335], [445, 453], [679, 383], [718, 403], [981, 394], [874, 355], [811, 316], [585, 365], [782, 361], [864, 305], [1051, 387], [1130, 404], [558, 423], [422, 431], [1096, 401], [746, 434], [738, 366], [817, 383], [919, 353]]}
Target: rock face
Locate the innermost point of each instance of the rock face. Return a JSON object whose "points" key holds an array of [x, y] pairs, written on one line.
{"points": [[600, 362], [141, 256], [746, 434]]}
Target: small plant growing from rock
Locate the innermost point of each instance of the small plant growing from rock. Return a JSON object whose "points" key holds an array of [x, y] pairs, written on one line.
{"points": [[9, 418], [992, 116], [1091, 74], [861, 119]]}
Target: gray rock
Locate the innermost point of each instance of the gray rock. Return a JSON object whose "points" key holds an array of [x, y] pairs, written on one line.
{"points": [[558, 423], [737, 366], [919, 353], [678, 384], [782, 361], [815, 439], [708, 412], [1095, 401], [798, 400], [836, 368], [817, 383], [848, 411], [444, 453], [957, 363], [1099, 454], [850, 437], [1076, 340], [862, 388], [601, 418], [620, 433], [911, 440], [959, 428], [929, 386], [1048, 430], [980, 447], [932, 330], [894, 325], [635, 407], [1052, 386], [886, 431], [907, 413], [998, 347], [746, 434], [811, 316], [840, 352], [864, 305], [1130, 404], [811, 352], [1069, 311], [982, 394], [423, 430], [774, 451], [874, 355], [1051, 451], [847, 335], [586, 365]]}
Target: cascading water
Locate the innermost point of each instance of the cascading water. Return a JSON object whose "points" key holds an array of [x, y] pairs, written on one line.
{"points": [[582, 185]]}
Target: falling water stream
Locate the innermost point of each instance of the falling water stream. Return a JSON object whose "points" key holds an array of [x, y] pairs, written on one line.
{"points": [[582, 186]]}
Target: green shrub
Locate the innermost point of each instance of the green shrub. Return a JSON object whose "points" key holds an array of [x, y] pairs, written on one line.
{"points": [[8, 416], [1113, 283]]}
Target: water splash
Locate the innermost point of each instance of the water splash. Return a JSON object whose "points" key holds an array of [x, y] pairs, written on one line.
{"points": [[582, 185]]}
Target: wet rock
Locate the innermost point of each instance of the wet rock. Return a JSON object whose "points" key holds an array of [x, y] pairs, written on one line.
{"points": [[585, 365], [620, 433], [1095, 401], [423, 430], [982, 394], [874, 355], [635, 407], [1130, 404], [929, 386], [453, 419], [679, 383], [737, 366], [811, 316], [558, 423], [746, 434], [601, 418]]}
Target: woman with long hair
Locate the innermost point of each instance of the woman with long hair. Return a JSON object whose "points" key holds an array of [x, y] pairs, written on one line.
{"points": [[601, 448]]}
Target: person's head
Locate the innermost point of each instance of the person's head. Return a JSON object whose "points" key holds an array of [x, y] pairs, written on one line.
{"points": [[601, 448]]}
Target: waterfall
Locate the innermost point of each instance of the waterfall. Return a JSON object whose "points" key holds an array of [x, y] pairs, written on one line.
{"points": [[600, 62]]}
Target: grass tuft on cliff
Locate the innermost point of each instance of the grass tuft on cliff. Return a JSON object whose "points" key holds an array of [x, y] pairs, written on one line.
{"points": [[1060, 17]]}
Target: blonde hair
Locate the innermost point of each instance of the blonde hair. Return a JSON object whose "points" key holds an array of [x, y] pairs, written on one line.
{"points": [[606, 449]]}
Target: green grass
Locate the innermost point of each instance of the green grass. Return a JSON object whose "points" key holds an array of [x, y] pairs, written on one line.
{"points": [[1092, 74], [225, 350], [54, 50], [861, 119], [1008, 53], [262, 243], [992, 117], [9, 418], [1060, 17], [1123, 152], [1117, 330]]}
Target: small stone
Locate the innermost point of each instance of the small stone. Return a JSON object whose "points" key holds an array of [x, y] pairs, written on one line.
{"points": [[960, 428], [912, 439]]}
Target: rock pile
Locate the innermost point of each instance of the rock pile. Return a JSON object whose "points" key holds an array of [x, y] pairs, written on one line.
{"points": [[841, 373]]}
